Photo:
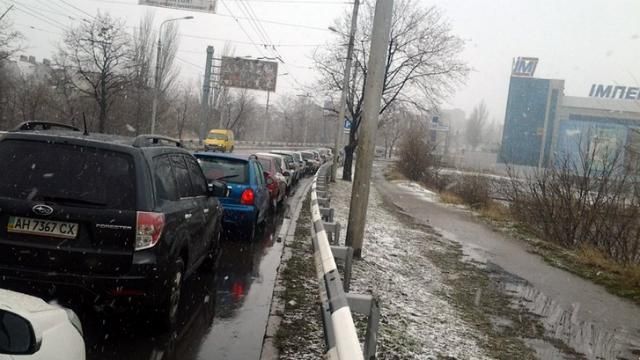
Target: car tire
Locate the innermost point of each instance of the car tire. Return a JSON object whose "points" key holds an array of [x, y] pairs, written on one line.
{"points": [[167, 314]]}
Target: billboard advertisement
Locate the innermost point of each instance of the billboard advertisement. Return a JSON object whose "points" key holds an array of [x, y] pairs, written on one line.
{"points": [[195, 5], [249, 74]]}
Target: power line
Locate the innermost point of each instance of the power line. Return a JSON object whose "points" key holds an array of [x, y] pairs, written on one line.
{"points": [[242, 28], [190, 63], [77, 9], [263, 33], [248, 43], [240, 17], [37, 15], [281, 23], [53, 11]]}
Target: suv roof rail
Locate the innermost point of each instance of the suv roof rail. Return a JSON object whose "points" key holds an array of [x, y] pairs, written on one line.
{"points": [[43, 125], [151, 140]]}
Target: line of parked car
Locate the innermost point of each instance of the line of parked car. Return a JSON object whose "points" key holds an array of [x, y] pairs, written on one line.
{"points": [[120, 222], [258, 183]]}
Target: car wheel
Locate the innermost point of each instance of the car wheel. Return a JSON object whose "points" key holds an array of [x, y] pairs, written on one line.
{"points": [[168, 313]]}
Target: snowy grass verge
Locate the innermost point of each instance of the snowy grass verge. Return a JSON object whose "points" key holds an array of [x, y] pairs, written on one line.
{"points": [[418, 322]]}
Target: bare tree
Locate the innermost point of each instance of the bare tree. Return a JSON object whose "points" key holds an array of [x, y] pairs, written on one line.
{"points": [[140, 68], [423, 63], [97, 52], [476, 124], [9, 38], [393, 125], [238, 108]]}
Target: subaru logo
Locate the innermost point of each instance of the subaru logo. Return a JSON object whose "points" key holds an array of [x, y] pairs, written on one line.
{"points": [[42, 210]]}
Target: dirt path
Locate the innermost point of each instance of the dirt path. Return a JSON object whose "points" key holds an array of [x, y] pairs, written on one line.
{"points": [[577, 318]]}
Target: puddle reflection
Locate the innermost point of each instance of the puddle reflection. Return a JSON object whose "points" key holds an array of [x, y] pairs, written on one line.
{"points": [[593, 340]]}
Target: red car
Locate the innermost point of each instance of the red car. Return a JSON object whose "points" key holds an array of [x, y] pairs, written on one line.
{"points": [[276, 182]]}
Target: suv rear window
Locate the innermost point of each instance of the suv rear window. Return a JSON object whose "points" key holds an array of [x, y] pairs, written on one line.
{"points": [[66, 174], [228, 170], [307, 156]]}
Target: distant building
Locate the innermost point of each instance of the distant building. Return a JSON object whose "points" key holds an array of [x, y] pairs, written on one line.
{"points": [[438, 136], [543, 125]]}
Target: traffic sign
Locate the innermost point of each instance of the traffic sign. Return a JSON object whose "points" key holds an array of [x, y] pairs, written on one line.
{"points": [[347, 124]]}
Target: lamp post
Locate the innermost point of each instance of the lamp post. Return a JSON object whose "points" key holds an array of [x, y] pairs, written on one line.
{"points": [[304, 116], [156, 90], [345, 86]]}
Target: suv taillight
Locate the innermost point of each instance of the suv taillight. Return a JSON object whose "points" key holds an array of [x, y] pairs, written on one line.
{"points": [[149, 227], [247, 197]]}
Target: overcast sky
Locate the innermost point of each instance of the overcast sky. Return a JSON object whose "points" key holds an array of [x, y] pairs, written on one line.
{"points": [[581, 41]]}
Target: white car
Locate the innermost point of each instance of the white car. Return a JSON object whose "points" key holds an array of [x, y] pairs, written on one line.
{"points": [[31, 329]]}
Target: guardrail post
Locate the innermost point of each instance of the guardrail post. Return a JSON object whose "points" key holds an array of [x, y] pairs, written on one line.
{"points": [[333, 232], [367, 305], [344, 253], [327, 214], [324, 202]]}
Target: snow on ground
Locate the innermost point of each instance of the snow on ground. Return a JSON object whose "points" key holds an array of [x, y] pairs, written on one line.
{"points": [[418, 189], [418, 321]]}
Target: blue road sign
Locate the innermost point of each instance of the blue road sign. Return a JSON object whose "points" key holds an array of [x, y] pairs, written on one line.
{"points": [[347, 124]]}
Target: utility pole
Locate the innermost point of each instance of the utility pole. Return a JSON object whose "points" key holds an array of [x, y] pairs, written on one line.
{"points": [[266, 118], [304, 116], [369, 125], [158, 74], [345, 87], [206, 90]]}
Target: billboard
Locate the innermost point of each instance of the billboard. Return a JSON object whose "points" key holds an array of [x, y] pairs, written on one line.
{"points": [[249, 74], [524, 66], [195, 5]]}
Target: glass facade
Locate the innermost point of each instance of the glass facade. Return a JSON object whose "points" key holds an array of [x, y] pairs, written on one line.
{"points": [[524, 121]]}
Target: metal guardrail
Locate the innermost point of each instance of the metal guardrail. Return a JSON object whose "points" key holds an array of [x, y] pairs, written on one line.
{"points": [[340, 333]]}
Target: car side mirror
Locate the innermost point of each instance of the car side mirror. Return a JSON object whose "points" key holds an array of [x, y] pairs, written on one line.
{"points": [[16, 335], [286, 173], [218, 189]]}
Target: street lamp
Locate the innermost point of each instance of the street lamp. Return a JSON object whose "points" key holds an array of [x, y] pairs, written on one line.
{"points": [[156, 92], [304, 116]]}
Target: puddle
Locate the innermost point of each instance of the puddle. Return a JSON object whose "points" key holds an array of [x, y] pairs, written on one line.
{"points": [[470, 252], [418, 190], [544, 350], [593, 340]]}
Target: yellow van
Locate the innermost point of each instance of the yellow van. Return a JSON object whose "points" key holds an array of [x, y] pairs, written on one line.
{"points": [[219, 140]]}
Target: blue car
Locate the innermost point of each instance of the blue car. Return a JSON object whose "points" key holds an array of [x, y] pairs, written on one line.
{"points": [[248, 202]]}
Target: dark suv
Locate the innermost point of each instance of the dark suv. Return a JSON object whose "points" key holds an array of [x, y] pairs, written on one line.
{"points": [[117, 218]]}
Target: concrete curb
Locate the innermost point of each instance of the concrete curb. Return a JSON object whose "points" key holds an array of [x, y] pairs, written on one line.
{"points": [[269, 349]]}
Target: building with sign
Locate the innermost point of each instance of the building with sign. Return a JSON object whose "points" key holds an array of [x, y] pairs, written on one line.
{"points": [[544, 126]]}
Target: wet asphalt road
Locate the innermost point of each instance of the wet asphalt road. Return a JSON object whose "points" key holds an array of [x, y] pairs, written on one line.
{"points": [[222, 315], [581, 314]]}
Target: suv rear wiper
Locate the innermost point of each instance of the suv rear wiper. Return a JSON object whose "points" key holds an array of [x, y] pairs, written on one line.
{"points": [[227, 177], [71, 201]]}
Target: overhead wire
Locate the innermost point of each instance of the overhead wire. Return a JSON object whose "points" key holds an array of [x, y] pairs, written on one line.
{"points": [[36, 14], [77, 9], [262, 32], [242, 28]]}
